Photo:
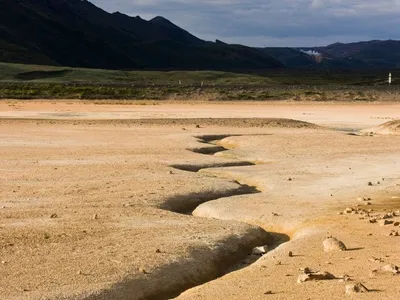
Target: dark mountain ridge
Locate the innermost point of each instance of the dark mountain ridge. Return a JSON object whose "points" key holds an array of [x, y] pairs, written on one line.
{"points": [[77, 33]]}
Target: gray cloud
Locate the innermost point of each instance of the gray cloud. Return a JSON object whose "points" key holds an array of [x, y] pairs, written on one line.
{"points": [[274, 22]]}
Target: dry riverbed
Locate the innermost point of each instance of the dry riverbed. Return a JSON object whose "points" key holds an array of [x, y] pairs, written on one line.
{"points": [[149, 201]]}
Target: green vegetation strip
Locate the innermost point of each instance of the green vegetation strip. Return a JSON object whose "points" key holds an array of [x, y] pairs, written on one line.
{"points": [[23, 90], [18, 81]]}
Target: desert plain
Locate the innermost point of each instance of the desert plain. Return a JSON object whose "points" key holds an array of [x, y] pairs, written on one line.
{"points": [[158, 200]]}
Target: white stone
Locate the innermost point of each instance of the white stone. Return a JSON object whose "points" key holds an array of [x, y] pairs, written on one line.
{"points": [[260, 250], [333, 244]]}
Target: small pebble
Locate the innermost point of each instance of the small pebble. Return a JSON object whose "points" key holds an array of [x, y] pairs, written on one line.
{"points": [[356, 288], [333, 244], [268, 293], [345, 278], [391, 269], [373, 273], [348, 210], [385, 222], [305, 270], [260, 250]]}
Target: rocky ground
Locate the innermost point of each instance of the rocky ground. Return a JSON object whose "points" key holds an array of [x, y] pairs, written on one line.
{"points": [[148, 201]]}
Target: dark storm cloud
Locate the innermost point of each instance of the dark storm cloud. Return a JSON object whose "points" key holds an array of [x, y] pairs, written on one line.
{"points": [[274, 22]]}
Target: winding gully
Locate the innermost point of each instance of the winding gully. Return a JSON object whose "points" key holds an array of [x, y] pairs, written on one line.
{"points": [[188, 203]]}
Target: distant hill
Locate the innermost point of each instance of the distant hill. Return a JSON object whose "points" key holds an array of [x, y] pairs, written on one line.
{"points": [[77, 33], [361, 55]]}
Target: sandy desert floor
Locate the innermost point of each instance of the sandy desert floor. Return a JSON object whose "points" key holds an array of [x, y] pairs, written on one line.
{"points": [[169, 200]]}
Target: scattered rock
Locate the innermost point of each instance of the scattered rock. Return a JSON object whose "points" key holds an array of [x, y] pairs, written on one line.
{"points": [[348, 210], [268, 293], [260, 250], [373, 273], [305, 270], [315, 276], [376, 259], [345, 278], [385, 222], [356, 288], [333, 244], [388, 216], [391, 269]]}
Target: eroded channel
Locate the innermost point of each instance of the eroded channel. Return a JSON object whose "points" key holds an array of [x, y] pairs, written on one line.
{"points": [[186, 204]]}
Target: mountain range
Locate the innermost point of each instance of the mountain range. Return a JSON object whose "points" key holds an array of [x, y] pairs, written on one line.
{"points": [[77, 33]]}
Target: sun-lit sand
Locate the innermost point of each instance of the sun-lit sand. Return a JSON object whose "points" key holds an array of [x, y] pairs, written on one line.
{"points": [[148, 201]]}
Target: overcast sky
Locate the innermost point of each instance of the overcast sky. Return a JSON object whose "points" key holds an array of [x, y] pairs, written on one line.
{"points": [[296, 23]]}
